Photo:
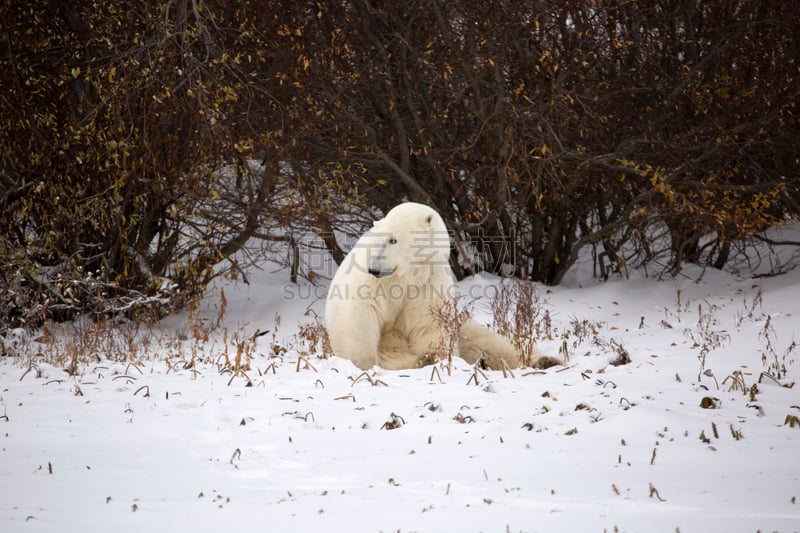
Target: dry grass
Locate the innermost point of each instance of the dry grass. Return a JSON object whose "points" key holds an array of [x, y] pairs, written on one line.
{"points": [[519, 314], [312, 338], [73, 345], [522, 315], [450, 315], [705, 335]]}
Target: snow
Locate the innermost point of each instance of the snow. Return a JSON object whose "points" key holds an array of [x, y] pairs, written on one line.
{"points": [[315, 444]]}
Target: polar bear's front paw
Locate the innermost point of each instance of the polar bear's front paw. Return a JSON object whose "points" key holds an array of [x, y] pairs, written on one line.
{"points": [[546, 361]]}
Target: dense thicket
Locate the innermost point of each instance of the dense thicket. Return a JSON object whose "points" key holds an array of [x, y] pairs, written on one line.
{"points": [[127, 136], [142, 144], [542, 127]]}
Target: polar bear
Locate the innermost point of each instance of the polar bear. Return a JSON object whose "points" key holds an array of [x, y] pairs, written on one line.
{"points": [[379, 309]]}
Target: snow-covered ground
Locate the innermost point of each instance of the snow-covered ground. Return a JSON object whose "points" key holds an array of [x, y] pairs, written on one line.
{"points": [[688, 436]]}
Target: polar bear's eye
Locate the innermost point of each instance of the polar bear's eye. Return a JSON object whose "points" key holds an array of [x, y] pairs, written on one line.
{"points": [[392, 240]]}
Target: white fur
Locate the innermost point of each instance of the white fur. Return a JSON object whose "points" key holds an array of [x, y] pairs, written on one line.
{"points": [[378, 310]]}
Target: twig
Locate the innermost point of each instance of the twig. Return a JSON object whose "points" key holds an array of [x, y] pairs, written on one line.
{"points": [[506, 368], [654, 492], [365, 375], [475, 371], [304, 359]]}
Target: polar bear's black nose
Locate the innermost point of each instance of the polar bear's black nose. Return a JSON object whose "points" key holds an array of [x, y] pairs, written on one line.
{"points": [[378, 273]]}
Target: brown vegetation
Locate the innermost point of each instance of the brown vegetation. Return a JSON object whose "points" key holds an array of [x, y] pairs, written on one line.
{"points": [[143, 144]]}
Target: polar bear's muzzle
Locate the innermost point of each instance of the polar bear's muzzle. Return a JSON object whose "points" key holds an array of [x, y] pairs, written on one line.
{"points": [[380, 267], [379, 273]]}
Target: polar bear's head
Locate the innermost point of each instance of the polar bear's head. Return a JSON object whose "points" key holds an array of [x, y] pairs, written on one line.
{"points": [[411, 239]]}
